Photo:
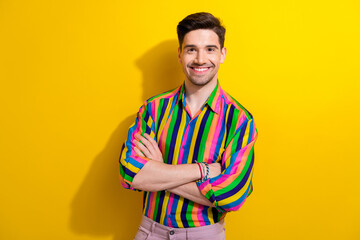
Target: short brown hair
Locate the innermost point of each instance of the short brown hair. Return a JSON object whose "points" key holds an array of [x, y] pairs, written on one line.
{"points": [[201, 20]]}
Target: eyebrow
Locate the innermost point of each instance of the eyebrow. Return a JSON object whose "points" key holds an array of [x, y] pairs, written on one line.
{"points": [[192, 45]]}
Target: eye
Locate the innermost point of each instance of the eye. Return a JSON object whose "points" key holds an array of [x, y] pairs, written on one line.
{"points": [[191, 50], [211, 49]]}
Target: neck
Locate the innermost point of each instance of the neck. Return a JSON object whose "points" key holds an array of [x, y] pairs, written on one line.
{"points": [[196, 96]]}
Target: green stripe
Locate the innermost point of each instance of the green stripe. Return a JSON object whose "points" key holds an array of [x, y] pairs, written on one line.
{"points": [[209, 194], [239, 178], [125, 176], [188, 214], [161, 104], [212, 95], [236, 139], [159, 95], [232, 128], [240, 106], [143, 127], [156, 205]]}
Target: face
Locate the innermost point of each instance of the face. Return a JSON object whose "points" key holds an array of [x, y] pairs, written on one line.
{"points": [[200, 56]]}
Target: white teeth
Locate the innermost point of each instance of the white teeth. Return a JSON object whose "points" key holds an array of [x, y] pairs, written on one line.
{"points": [[200, 69]]}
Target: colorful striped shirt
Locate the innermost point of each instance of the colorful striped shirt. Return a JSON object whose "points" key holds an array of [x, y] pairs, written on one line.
{"points": [[222, 131]]}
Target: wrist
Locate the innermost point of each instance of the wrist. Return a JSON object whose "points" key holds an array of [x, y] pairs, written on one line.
{"points": [[204, 171], [200, 170]]}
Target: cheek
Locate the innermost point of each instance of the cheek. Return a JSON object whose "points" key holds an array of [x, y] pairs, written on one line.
{"points": [[186, 60], [215, 59]]}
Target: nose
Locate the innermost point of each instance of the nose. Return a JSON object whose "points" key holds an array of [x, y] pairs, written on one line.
{"points": [[200, 58]]}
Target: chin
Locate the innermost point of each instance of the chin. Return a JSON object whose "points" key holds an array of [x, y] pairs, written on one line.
{"points": [[200, 82]]}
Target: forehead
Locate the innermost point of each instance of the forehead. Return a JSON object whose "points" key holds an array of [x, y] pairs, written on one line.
{"points": [[201, 37]]}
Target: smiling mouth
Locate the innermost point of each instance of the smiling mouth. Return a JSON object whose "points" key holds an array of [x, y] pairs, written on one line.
{"points": [[200, 69]]}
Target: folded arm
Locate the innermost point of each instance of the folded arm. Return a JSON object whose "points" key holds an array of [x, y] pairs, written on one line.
{"points": [[145, 170], [156, 176], [178, 179]]}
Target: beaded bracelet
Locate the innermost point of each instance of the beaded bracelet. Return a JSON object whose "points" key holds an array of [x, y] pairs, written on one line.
{"points": [[207, 171], [206, 174]]}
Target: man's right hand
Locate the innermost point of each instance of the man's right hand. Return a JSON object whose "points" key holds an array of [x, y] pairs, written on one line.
{"points": [[148, 147]]}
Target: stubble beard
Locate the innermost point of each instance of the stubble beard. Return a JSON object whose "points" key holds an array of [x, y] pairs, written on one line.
{"points": [[200, 82]]}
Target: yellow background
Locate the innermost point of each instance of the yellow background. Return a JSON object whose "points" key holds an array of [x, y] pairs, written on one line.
{"points": [[74, 73]]}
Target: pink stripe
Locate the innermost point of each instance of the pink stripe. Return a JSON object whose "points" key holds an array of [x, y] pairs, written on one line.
{"points": [[220, 180], [155, 115], [169, 206], [199, 215], [181, 154], [162, 139], [216, 135], [153, 111], [244, 152], [151, 205], [141, 160]]}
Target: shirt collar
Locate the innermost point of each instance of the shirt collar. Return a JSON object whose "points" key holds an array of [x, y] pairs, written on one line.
{"points": [[213, 101]]}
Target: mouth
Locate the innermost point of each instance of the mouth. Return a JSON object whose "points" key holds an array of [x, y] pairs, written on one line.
{"points": [[200, 70]]}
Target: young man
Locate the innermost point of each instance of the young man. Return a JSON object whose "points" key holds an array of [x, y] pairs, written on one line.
{"points": [[191, 150]]}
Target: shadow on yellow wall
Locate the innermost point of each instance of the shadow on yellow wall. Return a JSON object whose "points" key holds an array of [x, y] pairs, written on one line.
{"points": [[101, 206]]}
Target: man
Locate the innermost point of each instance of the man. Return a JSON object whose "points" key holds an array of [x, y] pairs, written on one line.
{"points": [[191, 150]]}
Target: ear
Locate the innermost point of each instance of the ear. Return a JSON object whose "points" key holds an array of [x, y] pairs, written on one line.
{"points": [[179, 54], [223, 55]]}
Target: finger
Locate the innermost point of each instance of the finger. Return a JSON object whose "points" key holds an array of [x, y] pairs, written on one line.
{"points": [[144, 141], [155, 151], [151, 140], [142, 148], [138, 152]]}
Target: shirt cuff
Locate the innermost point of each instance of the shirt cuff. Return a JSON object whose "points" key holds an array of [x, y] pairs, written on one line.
{"points": [[134, 165]]}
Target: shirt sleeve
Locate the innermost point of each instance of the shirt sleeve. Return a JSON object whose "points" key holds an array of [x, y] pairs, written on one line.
{"points": [[130, 163], [229, 190]]}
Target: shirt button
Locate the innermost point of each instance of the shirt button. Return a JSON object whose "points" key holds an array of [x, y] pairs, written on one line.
{"points": [[172, 232]]}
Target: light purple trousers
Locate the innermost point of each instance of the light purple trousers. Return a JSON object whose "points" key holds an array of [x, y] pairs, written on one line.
{"points": [[151, 230]]}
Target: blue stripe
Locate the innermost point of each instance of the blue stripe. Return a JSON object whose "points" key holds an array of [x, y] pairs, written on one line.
{"points": [[251, 130], [128, 172], [237, 202], [173, 211], [121, 152], [240, 138], [135, 163], [187, 145], [144, 198], [183, 213], [200, 135], [174, 135], [146, 213], [205, 215], [228, 125], [161, 202]]}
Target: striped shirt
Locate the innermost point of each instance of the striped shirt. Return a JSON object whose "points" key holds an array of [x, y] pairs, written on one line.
{"points": [[222, 131]]}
